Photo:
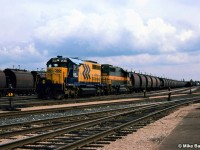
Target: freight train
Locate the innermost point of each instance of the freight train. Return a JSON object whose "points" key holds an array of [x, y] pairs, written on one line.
{"points": [[73, 77], [21, 82]]}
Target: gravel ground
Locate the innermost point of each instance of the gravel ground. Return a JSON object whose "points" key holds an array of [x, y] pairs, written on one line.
{"points": [[28, 118], [151, 136]]}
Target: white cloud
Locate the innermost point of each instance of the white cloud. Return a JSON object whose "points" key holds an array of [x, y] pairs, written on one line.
{"points": [[144, 59], [141, 3], [185, 35], [112, 27], [81, 26], [108, 23], [31, 30], [175, 66], [25, 56]]}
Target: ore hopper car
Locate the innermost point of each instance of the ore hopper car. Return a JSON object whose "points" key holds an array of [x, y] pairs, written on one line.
{"points": [[158, 83], [21, 81], [164, 83], [143, 82], [153, 83], [149, 82], [3, 84], [136, 82]]}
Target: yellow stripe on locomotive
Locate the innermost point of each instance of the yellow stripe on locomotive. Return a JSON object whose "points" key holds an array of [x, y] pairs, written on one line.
{"points": [[89, 72]]}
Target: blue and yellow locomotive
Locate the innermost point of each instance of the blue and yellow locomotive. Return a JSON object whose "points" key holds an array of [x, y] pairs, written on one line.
{"points": [[71, 77]]}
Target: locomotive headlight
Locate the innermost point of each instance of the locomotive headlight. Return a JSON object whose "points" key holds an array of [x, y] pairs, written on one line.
{"points": [[75, 74]]}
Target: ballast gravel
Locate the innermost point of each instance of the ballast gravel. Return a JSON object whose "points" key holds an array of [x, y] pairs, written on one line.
{"points": [[29, 118], [152, 135]]}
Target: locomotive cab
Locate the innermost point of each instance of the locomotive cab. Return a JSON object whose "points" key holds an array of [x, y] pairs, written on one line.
{"points": [[56, 76]]}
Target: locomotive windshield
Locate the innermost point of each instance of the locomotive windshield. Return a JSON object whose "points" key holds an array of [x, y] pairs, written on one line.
{"points": [[64, 62], [57, 62]]}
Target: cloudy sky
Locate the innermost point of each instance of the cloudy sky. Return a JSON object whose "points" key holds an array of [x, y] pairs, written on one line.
{"points": [[158, 37]]}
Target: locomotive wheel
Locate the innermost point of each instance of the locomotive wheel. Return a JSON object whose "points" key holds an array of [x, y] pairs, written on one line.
{"points": [[48, 93], [59, 95], [40, 95]]}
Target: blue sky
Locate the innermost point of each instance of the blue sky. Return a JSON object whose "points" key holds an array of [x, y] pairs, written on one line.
{"points": [[158, 37]]}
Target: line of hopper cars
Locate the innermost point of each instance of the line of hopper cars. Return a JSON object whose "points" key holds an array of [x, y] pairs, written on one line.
{"points": [[21, 82], [141, 82], [72, 77]]}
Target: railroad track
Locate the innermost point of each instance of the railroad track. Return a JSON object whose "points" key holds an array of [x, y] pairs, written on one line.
{"points": [[33, 126], [28, 101], [84, 106], [94, 131]]}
